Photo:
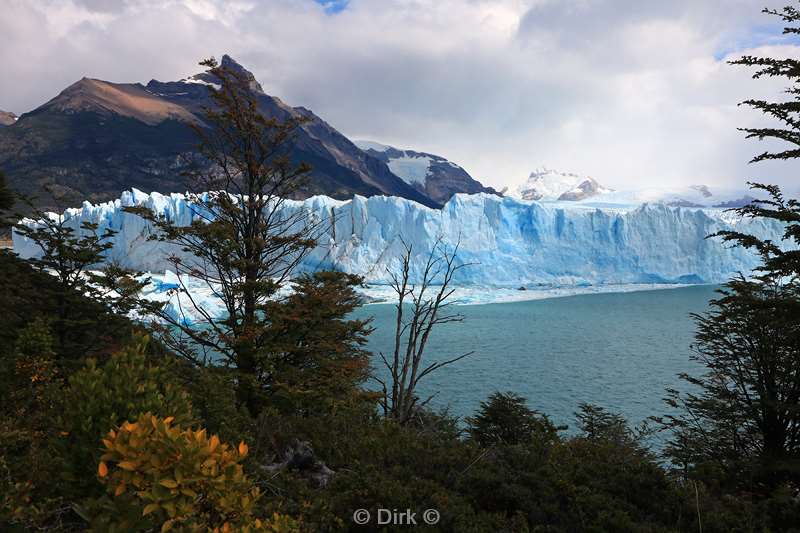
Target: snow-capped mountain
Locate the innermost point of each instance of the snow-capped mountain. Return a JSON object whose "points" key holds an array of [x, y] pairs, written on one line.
{"points": [[686, 196], [548, 184], [545, 184], [433, 175], [511, 242]]}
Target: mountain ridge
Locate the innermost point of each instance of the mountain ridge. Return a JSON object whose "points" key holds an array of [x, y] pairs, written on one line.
{"points": [[431, 174], [96, 139]]}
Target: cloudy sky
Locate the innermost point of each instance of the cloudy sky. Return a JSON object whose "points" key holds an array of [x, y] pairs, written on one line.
{"points": [[635, 93]]}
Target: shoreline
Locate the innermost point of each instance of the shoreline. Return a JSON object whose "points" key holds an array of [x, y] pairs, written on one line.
{"points": [[482, 295]]}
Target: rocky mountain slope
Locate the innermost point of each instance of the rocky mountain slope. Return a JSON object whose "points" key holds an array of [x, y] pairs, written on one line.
{"points": [[7, 118], [430, 174], [97, 138]]}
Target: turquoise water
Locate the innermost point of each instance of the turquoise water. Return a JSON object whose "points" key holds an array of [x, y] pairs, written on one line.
{"points": [[619, 351]]}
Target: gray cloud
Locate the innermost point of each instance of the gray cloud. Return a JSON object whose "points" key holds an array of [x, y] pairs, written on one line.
{"points": [[632, 93]]}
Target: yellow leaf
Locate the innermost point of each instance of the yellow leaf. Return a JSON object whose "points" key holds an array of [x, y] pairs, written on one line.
{"points": [[108, 444], [226, 528], [167, 525], [102, 469], [169, 420], [169, 483], [243, 449], [153, 507], [120, 489], [214, 443], [127, 465]]}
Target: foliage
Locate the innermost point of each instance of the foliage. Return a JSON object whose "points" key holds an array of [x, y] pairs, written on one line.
{"points": [[785, 112], [101, 397], [27, 294], [744, 420], [740, 424], [505, 418], [558, 484], [316, 356], [70, 252], [242, 244], [30, 384], [160, 475]]}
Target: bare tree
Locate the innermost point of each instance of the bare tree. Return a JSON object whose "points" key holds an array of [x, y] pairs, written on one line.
{"points": [[421, 306]]}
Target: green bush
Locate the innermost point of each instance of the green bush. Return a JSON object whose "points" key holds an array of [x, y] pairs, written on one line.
{"points": [[505, 418], [99, 398]]}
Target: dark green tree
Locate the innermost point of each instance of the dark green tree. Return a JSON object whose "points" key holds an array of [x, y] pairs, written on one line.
{"points": [[317, 356], [740, 422], [744, 418], [786, 112], [243, 243], [74, 254], [505, 418]]}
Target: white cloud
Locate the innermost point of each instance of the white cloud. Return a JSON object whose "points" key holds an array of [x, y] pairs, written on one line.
{"points": [[628, 92]]}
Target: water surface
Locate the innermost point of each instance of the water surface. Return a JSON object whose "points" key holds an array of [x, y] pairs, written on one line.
{"points": [[620, 351]]}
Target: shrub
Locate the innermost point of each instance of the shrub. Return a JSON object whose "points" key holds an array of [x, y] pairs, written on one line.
{"points": [[160, 475], [505, 418], [99, 398]]}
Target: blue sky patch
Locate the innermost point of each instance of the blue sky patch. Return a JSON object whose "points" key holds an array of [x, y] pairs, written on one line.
{"points": [[333, 6], [759, 35]]}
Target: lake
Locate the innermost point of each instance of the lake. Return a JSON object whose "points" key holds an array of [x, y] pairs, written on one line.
{"points": [[617, 350]]}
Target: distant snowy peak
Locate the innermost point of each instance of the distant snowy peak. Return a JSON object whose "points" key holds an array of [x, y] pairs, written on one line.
{"points": [[431, 174], [677, 196], [7, 118], [545, 184], [548, 184]]}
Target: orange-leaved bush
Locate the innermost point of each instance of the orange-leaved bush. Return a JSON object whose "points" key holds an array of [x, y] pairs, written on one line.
{"points": [[162, 475]]}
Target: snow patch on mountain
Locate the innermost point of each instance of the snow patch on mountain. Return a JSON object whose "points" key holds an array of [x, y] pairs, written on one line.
{"points": [[411, 169]]}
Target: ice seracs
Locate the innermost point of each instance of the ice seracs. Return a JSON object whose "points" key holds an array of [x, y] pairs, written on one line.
{"points": [[512, 243]]}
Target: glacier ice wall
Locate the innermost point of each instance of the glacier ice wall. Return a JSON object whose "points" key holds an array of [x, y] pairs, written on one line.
{"points": [[511, 242]]}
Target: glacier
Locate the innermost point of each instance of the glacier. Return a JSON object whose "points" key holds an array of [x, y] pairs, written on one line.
{"points": [[510, 243]]}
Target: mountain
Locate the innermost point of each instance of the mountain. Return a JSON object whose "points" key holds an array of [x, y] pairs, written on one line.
{"points": [[551, 185], [430, 174], [508, 242], [548, 184], [677, 196], [7, 118], [97, 139]]}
